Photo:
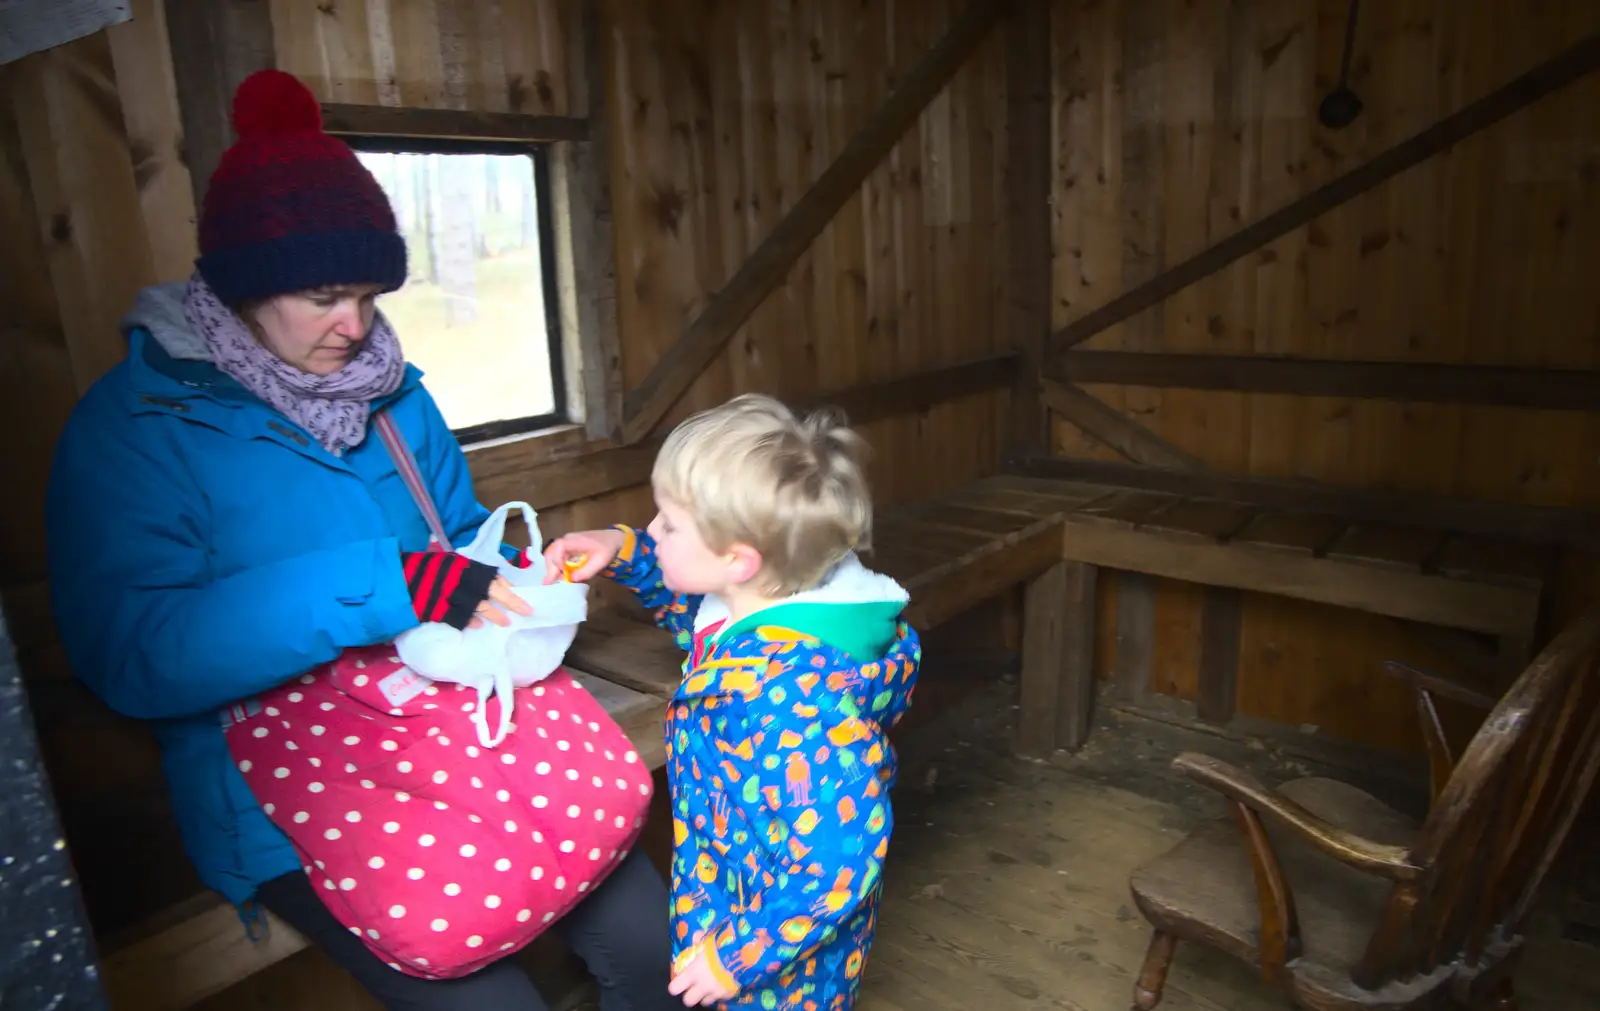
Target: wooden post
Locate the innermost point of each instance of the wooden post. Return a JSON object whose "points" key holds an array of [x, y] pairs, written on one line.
{"points": [[215, 46], [586, 265], [1057, 660], [1136, 633], [1219, 653], [1029, 160], [1077, 688]]}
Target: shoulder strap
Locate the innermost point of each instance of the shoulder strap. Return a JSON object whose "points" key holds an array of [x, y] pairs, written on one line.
{"points": [[400, 451]]}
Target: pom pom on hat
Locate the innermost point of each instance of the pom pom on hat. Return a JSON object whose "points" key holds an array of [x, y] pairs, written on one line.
{"points": [[271, 101], [290, 208]]}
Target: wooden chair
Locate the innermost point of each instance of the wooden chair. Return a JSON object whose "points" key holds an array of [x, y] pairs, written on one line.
{"points": [[1346, 902]]}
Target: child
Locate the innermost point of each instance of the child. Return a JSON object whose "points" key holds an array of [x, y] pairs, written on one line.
{"points": [[799, 662]]}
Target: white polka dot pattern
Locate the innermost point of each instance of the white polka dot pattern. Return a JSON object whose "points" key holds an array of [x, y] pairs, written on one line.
{"points": [[440, 854]]}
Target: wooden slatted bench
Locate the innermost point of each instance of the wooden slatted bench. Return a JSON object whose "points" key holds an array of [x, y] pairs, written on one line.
{"points": [[198, 947], [952, 553], [964, 547], [1431, 577]]}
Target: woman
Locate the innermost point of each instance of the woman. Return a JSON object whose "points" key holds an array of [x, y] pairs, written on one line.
{"points": [[221, 519]]}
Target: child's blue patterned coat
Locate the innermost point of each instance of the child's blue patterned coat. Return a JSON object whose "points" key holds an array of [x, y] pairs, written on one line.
{"points": [[780, 770]]}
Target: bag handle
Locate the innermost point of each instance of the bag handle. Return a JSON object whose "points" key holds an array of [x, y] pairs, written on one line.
{"points": [[400, 451], [485, 547]]}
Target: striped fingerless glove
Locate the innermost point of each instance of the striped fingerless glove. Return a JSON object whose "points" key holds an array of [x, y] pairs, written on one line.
{"points": [[446, 587]]}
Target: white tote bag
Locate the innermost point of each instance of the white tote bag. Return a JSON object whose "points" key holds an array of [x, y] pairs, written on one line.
{"points": [[495, 659]]}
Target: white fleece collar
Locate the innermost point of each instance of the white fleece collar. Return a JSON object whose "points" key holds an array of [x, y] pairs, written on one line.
{"points": [[849, 582]]}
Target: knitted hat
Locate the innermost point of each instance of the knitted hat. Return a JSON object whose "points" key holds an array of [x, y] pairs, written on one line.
{"points": [[290, 208]]}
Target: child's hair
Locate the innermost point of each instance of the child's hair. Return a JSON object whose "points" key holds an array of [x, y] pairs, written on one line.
{"points": [[794, 489]]}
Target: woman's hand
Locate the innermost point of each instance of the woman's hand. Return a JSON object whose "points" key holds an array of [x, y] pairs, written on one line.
{"points": [[500, 599], [596, 548], [454, 590]]}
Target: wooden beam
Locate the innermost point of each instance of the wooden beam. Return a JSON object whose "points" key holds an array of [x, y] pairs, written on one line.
{"points": [[1057, 682], [215, 46], [1549, 389], [449, 124], [1220, 614], [1076, 704], [1413, 594], [1552, 75], [919, 391], [1029, 170], [526, 471], [1541, 524], [727, 310], [1136, 635], [1115, 429], [586, 260]]}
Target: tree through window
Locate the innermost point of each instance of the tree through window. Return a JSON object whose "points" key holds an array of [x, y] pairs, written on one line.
{"points": [[478, 312]]}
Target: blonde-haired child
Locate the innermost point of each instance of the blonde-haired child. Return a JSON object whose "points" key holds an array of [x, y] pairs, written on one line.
{"points": [[799, 661]]}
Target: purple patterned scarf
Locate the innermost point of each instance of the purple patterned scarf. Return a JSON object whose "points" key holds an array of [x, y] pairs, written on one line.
{"points": [[333, 408]]}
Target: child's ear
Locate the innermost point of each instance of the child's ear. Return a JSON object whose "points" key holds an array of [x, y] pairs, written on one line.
{"points": [[743, 563]]}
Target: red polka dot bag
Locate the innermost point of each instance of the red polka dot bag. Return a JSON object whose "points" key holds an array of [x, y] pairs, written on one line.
{"points": [[440, 854]]}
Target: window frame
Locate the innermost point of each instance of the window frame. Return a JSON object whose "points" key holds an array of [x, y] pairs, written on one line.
{"points": [[538, 153]]}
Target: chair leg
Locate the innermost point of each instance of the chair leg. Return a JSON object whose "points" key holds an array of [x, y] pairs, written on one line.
{"points": [[1153, 976]]}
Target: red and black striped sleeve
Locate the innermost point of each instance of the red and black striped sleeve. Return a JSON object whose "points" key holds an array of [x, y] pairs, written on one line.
{"points": [[446, 587]]}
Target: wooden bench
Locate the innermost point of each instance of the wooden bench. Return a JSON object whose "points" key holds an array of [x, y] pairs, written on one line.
{"points": [[952, 553], [964, 547], [961, 548], [198, 947], [1433, 578]]}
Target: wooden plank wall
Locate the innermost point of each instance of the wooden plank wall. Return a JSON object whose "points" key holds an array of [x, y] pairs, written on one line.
{"points": [[721, 114], [1178, 122]]}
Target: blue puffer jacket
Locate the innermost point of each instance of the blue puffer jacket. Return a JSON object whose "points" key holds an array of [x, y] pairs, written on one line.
{"points": [[203, 548]]}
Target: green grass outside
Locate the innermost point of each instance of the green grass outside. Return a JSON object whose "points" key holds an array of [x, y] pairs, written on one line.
{"points": [[496, 368]]}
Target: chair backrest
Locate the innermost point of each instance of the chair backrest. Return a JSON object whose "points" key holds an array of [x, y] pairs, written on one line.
{"points": [[1498, 824]]}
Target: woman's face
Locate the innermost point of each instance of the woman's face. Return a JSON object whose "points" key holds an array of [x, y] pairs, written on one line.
{"points": [[317, 331]]}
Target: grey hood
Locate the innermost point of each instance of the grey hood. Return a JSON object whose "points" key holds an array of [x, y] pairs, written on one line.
{"points": [[159, 309]]}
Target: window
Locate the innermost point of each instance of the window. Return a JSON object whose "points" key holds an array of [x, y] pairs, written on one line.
{"points": [[479, 313]]}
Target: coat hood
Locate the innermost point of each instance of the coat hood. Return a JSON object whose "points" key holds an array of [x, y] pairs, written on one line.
{"points": [[851, 626], [158, 310]]}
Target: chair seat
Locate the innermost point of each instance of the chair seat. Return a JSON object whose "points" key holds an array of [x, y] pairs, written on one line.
{"points": [[1204, 888]]}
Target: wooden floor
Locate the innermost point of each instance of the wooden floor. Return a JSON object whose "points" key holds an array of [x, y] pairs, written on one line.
{"points": [[1007, 885]]}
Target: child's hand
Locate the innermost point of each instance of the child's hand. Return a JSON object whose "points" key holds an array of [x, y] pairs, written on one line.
{"points": [[596, 548], [701, 979]]}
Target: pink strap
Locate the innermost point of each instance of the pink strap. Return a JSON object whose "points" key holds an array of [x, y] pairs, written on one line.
{"points": [[400, 451]]}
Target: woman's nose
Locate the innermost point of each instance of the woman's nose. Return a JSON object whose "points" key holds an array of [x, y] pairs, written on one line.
{"points": [[347, 323]]}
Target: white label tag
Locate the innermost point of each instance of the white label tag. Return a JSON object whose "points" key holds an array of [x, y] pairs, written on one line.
{"points": [[402, 686]]}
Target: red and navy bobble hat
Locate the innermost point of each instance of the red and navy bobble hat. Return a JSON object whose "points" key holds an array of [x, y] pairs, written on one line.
{"points": [[290, 208]]}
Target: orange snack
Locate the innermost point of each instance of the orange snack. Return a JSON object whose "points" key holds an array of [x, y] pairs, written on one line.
{"points": [[572, 565]]}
